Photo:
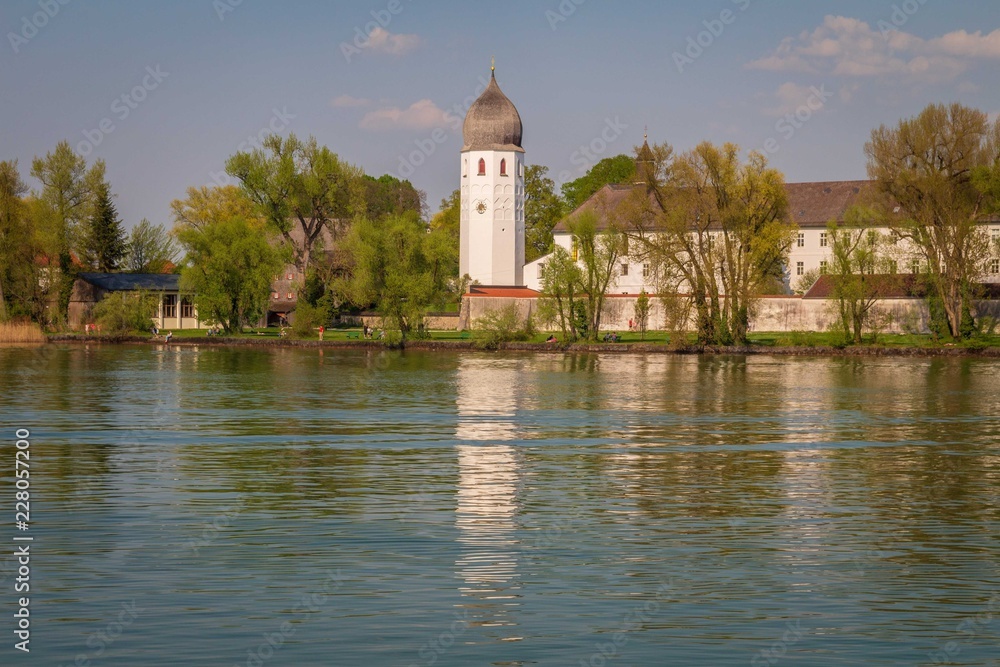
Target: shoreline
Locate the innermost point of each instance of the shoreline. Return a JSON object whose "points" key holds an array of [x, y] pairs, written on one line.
{"points": [[586, 348]]}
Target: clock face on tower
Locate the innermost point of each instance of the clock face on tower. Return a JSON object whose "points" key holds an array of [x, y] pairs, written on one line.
{"points": [[481, 206]]}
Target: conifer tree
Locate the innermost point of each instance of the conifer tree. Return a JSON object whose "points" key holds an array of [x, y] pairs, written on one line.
{"points": [[105, 244]]}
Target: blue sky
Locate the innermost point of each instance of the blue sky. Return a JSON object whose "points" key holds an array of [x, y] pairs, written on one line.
{"points": [[164, 91]]}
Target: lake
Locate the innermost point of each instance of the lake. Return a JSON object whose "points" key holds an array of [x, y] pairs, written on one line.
{"points": [[222, 506]]}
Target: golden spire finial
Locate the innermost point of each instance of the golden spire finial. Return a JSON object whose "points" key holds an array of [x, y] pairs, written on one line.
{"points": [[493, 63], [645, 133]]}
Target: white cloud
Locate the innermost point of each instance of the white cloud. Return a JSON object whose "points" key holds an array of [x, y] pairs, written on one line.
{"points": [[422, 115], [789, 97], [844, 46], [348, 101], [383, 41]]}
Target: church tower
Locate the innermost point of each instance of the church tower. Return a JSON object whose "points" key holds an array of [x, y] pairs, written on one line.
{"points": [[492, 222]]}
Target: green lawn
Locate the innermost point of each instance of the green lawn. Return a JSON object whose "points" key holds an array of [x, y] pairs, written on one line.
{"points": [[763, 339]]}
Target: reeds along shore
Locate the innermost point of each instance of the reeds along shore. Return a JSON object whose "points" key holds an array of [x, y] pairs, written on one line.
{"points": [[21, 332]]}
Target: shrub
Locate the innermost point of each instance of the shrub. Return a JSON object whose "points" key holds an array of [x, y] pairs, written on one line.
{"points": [[125, 312], [500, 326]]}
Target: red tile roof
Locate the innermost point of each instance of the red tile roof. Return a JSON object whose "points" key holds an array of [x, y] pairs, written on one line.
{"points": [[506, 292]]}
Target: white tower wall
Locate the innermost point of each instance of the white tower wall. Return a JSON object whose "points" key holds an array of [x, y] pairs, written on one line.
{"points": [[492, 218]]}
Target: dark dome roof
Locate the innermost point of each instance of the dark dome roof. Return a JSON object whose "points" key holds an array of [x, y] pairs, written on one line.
{"points": [[492, 123]]}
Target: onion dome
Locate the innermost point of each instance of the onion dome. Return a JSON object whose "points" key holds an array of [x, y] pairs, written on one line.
{"points": [[492, 123]]}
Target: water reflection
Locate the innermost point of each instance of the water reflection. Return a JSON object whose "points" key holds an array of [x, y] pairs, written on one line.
{"points": [[488, 493]]}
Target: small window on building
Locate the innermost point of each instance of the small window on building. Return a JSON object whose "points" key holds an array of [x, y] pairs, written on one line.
{"points": [[290, 276], [482, 167], [520, 170], [645, 270], [187, 308], [624, 269], [541, 269], [893, 266], [994, 267], [170, 305], [915, 266], [275, 296], [822, 267], [801, 240], [872, 237], [822, 240], [503, 167], [465, 168], [800, 268], [575, 251], [290, 296]]}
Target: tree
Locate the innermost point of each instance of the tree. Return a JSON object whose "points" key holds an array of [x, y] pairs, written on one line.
{"points": [[642, 308], [391, 270], [387, 195], [617, 169], [561, 277], [103, 243], [208, 205], [63, 203], [300, 189], [598, 253], [229, 268], [543, 209], [720, 230], [17, 248], [150, 249], [857, 268], [934, 172]]}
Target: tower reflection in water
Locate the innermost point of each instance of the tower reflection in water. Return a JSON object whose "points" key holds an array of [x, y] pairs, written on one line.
{"points": [[488, 503]]}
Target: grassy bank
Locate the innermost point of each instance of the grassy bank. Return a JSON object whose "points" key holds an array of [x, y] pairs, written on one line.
{"points": [[800, 343]]}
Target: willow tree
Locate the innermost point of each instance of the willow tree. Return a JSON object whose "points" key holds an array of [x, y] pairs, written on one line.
{"points": [[301, 189], [721, 233], [598, 252], [859, 263], [934, 171], [60, 207]]}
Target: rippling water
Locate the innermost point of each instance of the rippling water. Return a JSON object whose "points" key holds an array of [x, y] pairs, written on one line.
{"points": [[293, 507]]}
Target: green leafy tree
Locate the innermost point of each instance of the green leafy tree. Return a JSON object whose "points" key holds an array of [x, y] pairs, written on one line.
{"points": [[63, 204], [642, 308], [598, 253], [858, 268], [205, 206], [935, 173], [561, 278], [543, 209], [617, 169], [229, 268], [151, 249], [103, 244], [719, 231], [391, 270], [387, 195], [18, 281], [300, 189]]}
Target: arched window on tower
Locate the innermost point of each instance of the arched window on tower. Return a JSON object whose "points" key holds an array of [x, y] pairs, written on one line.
{"points": [[465, 168], [503, 167], [482, 167]]}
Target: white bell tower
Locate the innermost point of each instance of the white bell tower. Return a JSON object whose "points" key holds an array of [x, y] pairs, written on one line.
{"points": [[492, 221]]}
